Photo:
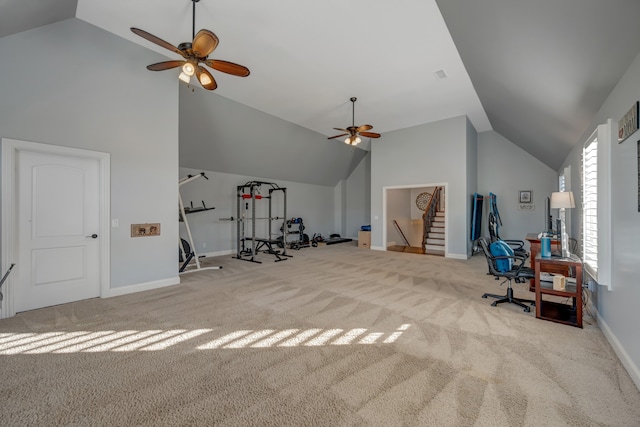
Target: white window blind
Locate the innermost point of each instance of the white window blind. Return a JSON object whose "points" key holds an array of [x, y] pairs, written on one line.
{"points": [[597, 248], [590, 205]]}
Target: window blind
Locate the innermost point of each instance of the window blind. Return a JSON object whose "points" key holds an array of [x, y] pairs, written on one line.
{"points": [[590, 206]]}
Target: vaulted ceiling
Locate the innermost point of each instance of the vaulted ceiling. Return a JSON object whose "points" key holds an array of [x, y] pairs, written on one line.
{"points": [[535, 71]]}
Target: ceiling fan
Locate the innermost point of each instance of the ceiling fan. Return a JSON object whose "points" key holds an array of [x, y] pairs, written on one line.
{"points": [[355, 132], [194, 54]]}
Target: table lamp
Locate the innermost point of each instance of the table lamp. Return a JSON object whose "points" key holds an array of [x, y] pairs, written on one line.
{"points": [[563, 200]]}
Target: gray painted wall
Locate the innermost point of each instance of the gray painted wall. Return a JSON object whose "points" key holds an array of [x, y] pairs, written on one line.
{"points": [[73, 84], [504, 169], [618, 313], [433, 153], [358, 198], [313, 203], [472, 175], [222, 135]]}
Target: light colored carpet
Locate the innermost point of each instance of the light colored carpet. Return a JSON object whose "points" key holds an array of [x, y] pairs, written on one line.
{"points": [[335, 336]]}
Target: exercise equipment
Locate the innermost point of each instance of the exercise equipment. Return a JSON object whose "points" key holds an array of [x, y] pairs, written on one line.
{"points": [[301, 242], [5, 278], [247, 194], [187, 250], [335, 238]]}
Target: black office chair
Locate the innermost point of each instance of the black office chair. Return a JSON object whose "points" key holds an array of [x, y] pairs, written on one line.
{"points": [[516, 245], [517, 272]]}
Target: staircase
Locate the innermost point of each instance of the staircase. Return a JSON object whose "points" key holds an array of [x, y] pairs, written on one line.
{"points": [[434, 224], [434, 244]]}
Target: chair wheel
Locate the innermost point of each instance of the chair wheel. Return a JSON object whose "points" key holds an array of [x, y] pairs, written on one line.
{"points": [[494, 304], [484, 296], [527, 309]]}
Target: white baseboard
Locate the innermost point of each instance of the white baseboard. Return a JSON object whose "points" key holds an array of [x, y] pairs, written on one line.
{"points": [[139, 287], [457, 256], [378, 248], [627, 362]]}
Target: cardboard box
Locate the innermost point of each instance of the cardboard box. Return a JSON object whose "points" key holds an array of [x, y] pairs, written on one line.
{"points": [[364, 239], [558, 282]]}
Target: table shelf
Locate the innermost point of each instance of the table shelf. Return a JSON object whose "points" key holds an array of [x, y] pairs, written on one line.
{"points": [[556, 311]]}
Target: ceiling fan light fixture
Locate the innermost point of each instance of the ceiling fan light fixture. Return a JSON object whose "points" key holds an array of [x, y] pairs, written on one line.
{"points": [[205, 79], [188, 69], [185, 78]]}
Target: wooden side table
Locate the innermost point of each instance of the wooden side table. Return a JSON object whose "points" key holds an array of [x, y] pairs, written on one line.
{"points": [[556, 311], [534, 242]]}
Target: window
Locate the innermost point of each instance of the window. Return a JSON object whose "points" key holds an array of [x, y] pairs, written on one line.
{"points": [[596, 204], [590, 205]]}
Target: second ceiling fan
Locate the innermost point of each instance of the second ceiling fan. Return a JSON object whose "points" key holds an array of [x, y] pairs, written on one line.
{"points": [[194, 54], [355, 132]]}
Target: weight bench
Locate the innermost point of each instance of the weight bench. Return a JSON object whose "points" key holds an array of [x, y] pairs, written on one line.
{"points": [[265, 243]]}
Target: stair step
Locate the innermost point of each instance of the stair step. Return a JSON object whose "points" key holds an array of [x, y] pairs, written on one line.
{"points": [[434, 247], [440, 214], [435, 241], [432, 235]]}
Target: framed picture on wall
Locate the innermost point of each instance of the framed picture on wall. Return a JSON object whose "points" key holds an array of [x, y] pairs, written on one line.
{"points": [[525, 196]]}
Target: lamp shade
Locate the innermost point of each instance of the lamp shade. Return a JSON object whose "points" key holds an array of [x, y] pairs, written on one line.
{"points": [[562, 199]]}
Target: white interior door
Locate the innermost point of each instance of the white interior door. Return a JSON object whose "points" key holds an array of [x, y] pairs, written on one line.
{"points": [[58, 229]]}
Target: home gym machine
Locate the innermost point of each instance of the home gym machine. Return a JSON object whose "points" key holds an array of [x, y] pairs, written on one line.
{"points": [[187, 250], [249, 193]]}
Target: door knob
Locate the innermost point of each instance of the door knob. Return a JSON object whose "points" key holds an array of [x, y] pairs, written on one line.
{"points": [[93, 236]]}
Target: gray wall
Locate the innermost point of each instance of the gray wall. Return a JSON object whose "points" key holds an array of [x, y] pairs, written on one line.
{"points": [[433, 153], [358, 198], [618, 313], [221, 135], [73, 84], [213, 236], [472, 175], [504, 169]]}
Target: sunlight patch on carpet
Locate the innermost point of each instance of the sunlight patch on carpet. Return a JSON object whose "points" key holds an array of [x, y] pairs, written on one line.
{"points": [[157, 340]]}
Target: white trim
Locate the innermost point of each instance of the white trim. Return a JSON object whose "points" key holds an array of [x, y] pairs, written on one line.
{"points": [[606, 136], [140, 287], [378, 248], [8, 245], [625, 359], [458, 256], [402, 187]]}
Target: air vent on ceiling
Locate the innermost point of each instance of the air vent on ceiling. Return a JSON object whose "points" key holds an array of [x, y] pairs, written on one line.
{"points": [[440, 74]]}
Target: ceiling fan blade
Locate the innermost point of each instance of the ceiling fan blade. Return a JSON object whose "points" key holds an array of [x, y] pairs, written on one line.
{"points": [[156, 40], [341, 130], [369, 134], [205, 78], [166, 65], [228, 67], [338, 136], [364, 128], [204, 43]]}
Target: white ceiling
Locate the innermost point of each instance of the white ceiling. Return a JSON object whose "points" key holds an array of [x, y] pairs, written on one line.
{"points": [[308, 58], [541, 69]]}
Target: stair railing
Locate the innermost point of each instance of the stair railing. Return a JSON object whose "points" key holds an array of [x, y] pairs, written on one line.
{"points": [[406, 242], [429, 214]]}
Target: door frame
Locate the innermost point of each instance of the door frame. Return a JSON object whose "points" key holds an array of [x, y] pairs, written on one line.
{"points": [[403, 187], [9, 212]]}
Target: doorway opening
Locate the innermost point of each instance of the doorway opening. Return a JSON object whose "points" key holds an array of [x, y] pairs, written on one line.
{"points": [[415, 218]]}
